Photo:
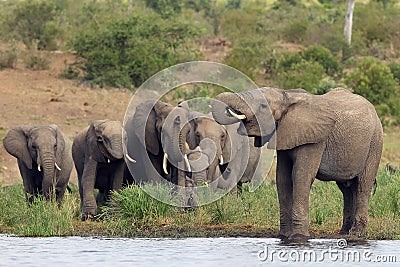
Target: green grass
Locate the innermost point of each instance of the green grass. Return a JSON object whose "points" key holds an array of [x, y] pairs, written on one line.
{"points": [[134, 213]]}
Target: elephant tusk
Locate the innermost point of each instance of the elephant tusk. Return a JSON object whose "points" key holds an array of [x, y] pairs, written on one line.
{"points": [[108, 160], [187, 146], [58, 167], [221, 160], [187, 163], [129, 158], [39, 168], [164, 165], [237, 116]]}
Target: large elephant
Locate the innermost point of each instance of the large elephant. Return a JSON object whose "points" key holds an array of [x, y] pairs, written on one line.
{"points": [[332, 137], [44, 159], [99, 162], [234, 155], [156, 139]]}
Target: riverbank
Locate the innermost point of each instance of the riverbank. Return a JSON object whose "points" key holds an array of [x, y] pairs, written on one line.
{"points": [[133, 213]]}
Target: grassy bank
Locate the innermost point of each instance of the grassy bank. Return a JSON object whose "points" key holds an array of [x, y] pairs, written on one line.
{"points": [[134, 213]]}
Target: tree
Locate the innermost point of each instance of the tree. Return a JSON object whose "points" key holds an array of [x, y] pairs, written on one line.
{"points": [[348, 21]]}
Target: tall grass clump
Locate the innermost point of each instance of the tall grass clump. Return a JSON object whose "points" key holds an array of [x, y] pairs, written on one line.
{"points": [[40, 218]]}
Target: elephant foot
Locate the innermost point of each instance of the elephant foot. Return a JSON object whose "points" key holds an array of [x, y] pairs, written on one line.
{"points": [[359, 226], [344, 231], [297, 237], [86, 216], [283, 236]]}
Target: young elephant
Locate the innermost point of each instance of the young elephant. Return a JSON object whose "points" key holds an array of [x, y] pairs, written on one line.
{"points": [[98, 157], [44, 159]]}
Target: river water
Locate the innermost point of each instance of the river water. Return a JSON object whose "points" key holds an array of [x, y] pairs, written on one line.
{"points": [[89, 251]]}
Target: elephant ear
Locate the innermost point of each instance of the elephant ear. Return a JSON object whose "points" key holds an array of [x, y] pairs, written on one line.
{"points": [[145, 115], [231, 146], [308, 119], [16, 143], [92, 149], [60, 143]]}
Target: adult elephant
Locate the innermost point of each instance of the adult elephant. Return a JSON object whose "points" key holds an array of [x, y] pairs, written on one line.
{"points": [[99, 162], [332, 137], [44, 159], [234, 155], [156, 139]]}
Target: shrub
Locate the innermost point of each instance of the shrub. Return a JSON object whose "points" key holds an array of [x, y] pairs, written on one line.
{"points": [[324, 57], [327, 84], [395, 69], [306, 75], [8, 58], [374, 80], [247, 57], [37, 61], [33, 22], [126, 51]]}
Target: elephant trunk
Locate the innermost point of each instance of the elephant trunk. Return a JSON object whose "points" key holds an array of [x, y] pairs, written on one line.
{"points": [[49, 164], [225, 108], [178, 146], [114, 148]]}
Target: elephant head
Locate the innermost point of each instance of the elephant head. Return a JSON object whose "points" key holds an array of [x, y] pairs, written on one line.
{"points": [[269, 114], [165, 131], [39, 147], [105, 140]]}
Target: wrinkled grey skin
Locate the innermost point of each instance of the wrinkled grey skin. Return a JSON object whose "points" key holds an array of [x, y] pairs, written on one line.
{"points": [[332, 137], [99, 162], [236, 152], [149, 153], [43, 146]]}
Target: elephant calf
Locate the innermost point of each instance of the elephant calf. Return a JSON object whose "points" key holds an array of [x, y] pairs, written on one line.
{"points": [[44, 159], [98, 157]]}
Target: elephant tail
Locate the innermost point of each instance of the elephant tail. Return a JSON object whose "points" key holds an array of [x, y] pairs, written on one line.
{"points": [[374, 187]]}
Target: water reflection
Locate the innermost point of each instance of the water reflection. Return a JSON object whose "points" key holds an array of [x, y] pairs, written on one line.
{"points": [[87, 251]]}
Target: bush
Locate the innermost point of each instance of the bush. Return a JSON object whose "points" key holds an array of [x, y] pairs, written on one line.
{"points": [[8, 58], [327, 84], [37, 61], [247, 57], [324, 57], [126, 51], [374, 80], [395, 69], [306, 75], [33, 23]]}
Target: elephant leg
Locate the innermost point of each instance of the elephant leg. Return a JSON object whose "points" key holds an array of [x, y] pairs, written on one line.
{"points": [[285, 192], [305, 167], [348, 190], [118, 177], [101, 198], [60, 191], [365, 183], [88, 182]]}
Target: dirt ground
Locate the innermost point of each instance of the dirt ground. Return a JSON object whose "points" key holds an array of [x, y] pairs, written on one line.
{"points": [[40, 97]]}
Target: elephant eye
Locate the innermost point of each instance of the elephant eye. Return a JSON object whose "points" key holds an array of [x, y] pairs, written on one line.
{"points": [[99, 139]]}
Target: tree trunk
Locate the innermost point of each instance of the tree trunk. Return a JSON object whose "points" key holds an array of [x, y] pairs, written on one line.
{"points": [[348, 21]]}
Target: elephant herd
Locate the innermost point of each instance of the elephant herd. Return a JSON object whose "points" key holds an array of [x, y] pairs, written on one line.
{"points": [[332, 137]]}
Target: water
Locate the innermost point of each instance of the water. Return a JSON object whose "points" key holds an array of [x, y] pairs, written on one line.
{"points": [[89, 251]]}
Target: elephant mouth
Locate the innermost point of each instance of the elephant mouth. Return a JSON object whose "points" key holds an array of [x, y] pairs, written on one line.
{"points": [[260, 141]]}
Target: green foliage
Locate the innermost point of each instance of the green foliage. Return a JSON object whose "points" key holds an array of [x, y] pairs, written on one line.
{"points": [[34, 23], [41, 218], [306, 75], [248, 56], [166, 8], [327, 84], [324, 57], [395, 69], [124, 52], [374, 80]]}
